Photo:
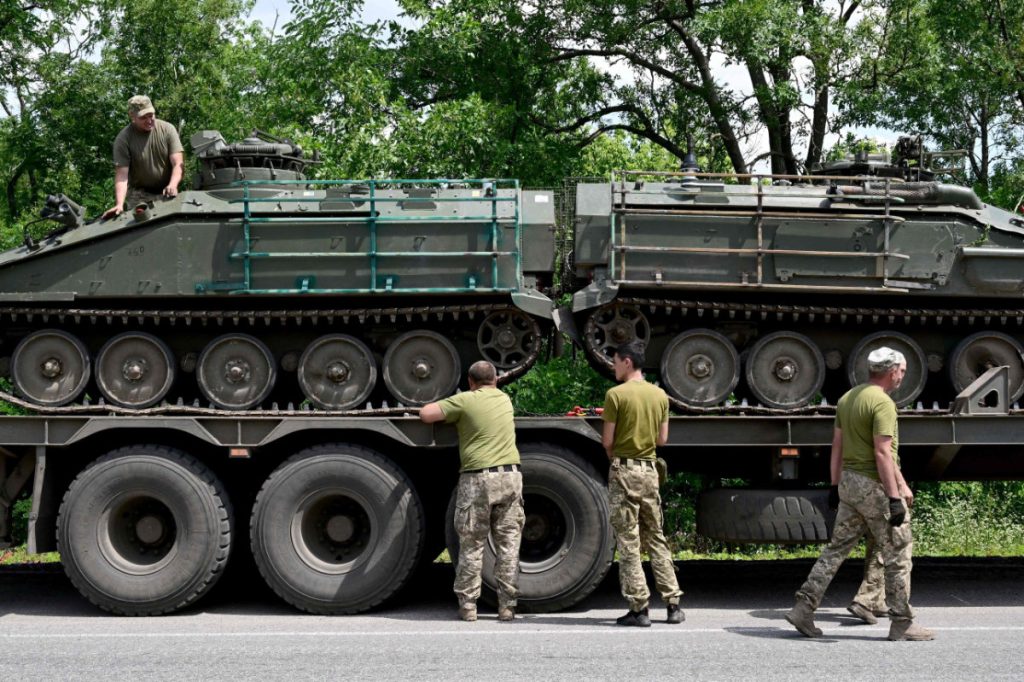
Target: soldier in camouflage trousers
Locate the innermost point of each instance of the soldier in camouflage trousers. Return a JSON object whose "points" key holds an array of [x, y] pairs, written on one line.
{"points": [[635, 422], [489, 498], [873, 498], [489, 503]]}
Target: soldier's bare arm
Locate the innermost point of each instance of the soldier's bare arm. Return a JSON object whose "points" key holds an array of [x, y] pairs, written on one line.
{"points": [[120, 192], [886, 467], [177, 168], [608, 438], [431, 412], [905, 492], [663, 433], [836, 462]]}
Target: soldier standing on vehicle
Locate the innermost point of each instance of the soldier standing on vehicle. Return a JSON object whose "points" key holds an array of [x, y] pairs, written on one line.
{"points": [[490, 493], [873, 497], [148, 158], [635, 422]]}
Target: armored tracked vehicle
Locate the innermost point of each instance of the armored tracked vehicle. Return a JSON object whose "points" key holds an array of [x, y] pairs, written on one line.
{"points": [[771, 291], [260, 286]]}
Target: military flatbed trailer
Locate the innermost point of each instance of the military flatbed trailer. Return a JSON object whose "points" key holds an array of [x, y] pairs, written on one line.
{"points": [[338, 512]]}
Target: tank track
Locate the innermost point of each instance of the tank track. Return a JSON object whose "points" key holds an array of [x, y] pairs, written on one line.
{"points": [[996, 318], [761, 311], [239, 318]]}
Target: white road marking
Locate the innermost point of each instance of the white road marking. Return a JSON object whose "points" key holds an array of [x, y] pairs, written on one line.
{"points": [[470, 632]]}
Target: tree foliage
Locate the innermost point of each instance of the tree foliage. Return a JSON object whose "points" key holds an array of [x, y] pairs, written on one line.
{"points": [[537, 90]]}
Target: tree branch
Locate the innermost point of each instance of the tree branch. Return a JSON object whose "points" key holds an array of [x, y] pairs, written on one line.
{"points": [[572, 53]]}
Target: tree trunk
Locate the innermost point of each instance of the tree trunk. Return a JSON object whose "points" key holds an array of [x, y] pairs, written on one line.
{"points": [[12, 186], [819, 118]]}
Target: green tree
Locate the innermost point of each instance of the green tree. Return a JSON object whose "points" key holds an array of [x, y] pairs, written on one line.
{"points": [[953, 71], [650, 69]]}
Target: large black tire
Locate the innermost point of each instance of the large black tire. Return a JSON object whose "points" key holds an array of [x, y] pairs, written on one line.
{"points": [[781, 516], [144, 530], [336, 529], [567, 545]]}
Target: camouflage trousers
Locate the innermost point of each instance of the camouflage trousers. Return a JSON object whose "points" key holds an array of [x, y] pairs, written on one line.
{"points": [[489, 503], [864, 507], [138, 196], [635, 507], [871, 594]]}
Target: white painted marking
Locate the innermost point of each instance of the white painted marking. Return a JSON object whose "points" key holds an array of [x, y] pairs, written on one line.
{"points": [[471, 631]]}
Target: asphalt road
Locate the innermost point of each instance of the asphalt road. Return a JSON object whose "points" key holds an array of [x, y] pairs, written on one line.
{"points": [[734, 629]]}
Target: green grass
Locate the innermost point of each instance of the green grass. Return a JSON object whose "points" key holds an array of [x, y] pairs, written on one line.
{"points": [[17, 556]]}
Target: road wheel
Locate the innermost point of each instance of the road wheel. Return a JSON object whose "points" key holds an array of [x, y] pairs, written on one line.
{"points": [[144, 530], [567, 542], [783, 516], [336, 529]]}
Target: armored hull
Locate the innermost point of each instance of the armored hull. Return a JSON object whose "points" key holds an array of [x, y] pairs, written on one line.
{"points": [[771, 292], [261, 286]]}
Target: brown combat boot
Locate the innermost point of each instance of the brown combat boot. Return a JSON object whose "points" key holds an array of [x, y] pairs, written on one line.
{"points": [[906, 631], [863, 613], [802, 618], [467, 612], [507, 613]]}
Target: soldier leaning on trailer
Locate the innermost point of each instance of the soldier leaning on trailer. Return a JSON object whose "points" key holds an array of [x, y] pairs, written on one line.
{"points": [[148, 158], [489, 499], [635, 423], [873, 498]]}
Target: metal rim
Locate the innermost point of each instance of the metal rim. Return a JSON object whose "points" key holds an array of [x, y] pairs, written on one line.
{"points": [[50, 367], [332, 529], [917, 369], [135, 369], [337, 372], [700, 367], [137, 533], [785, 370], [421, 367], [508, 338], [236, 371], [612, 325], [982, 351]]}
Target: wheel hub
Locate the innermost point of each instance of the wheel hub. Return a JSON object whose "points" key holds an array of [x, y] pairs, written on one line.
{"points": [[340, 528], [134, 369], [535, 528], [149, 529], [338, 372], [506, 338], [700, 366], [621, 333], [785, 369], [421, 368], [52, 368], [237, 371]]}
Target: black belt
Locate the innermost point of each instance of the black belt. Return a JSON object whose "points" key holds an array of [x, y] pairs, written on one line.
{"points": [[632, 461], [494, 470]]}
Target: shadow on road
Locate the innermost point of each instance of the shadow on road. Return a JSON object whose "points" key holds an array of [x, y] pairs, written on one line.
{"points": [[763, 588]]}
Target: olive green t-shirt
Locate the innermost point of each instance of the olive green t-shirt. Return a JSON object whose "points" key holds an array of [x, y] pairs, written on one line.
{"points": [[864, 412], [147, 155], [638, 410], [487, 432]]}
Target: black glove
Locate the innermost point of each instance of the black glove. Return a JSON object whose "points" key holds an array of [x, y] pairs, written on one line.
{"points": [[833, 497], [897, 512]]}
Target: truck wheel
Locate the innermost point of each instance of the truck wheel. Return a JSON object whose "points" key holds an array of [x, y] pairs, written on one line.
{"points": [[144, 530], [567, 542], [336, 529], [783, 516]]}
